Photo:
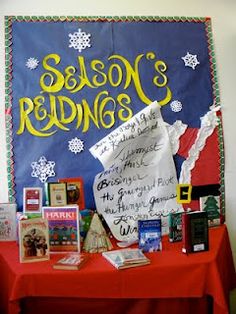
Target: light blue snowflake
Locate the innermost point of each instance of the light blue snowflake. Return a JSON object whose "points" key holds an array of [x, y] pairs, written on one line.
{"points": [[176, 106], [76, 145], [190, 60], [43, 169], [32, 63], [79, 40]]}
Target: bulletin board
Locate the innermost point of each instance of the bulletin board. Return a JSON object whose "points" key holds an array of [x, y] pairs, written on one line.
{"points": [[71, 80]]}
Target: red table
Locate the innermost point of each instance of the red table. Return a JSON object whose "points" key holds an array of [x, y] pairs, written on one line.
{"points": [[174, 282]]}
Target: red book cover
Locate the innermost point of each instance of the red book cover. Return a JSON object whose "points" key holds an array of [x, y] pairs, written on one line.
{"points": [[195, 232], [186, 233], [75, 191], [32, 200], [72, 261]]}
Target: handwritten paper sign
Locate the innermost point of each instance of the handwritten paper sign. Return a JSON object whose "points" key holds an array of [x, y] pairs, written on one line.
{"points": [[139, 178]]}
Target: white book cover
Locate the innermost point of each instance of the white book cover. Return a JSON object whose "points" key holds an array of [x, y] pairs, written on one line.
{"points": [[7, 222], [33, 240], [126, 258]]}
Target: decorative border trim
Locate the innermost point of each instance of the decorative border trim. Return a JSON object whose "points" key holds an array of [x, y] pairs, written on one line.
{"points": [[222, 169], [8, 108], [212, 59], [107, 19], [216, 97]]}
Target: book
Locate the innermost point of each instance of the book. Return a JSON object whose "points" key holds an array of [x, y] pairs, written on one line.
{"points": [[32, 200], [149, 235], [195, 232], [56, 194], [8, 224], [33, 240], [175, 227], [34, 215], [19, 216], [75, 191], [126, 258], [63, 224], [211, 204], [86, 216], [97, 240], [45, 188], [24, 216], [73, 261]]}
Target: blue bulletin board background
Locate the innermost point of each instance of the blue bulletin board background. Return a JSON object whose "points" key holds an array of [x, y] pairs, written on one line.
{"points": [[67, 94]]}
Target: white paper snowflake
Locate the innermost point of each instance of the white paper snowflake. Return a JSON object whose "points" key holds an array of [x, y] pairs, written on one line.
{"points": [[190, 60], [32, 63], [176, 106], [43, 169], [79, 40], [76, 145]]}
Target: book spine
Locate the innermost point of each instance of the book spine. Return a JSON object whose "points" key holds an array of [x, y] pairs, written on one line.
{"points": [[171, 233], [175, 227], [186, 234], [46, 194]]}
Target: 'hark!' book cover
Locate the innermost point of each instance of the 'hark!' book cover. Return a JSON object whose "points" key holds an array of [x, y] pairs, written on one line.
{"points": [[63, 223]]}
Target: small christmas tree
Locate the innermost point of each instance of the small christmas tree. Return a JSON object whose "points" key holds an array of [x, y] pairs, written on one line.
{"points": [[96, 240], [211, 205]]}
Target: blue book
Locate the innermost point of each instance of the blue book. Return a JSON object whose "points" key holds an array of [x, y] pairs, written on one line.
{"points": [[149, 235]]}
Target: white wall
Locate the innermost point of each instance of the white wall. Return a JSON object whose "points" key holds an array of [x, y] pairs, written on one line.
{"points": [[222, 13]]}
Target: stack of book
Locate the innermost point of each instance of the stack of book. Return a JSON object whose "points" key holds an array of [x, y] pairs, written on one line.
{"points": [[71, 261], [126, 258]]}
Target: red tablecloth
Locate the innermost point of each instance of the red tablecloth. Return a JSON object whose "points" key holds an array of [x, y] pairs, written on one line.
{"points": [[171, 275]]}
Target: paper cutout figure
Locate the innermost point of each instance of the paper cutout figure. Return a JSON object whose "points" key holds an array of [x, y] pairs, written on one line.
{"points": [[97, 240], [190, 60], [43, 169], [79, 40], [139, 180], [176, 106], [208, 123], [32, 63], [175, 131], [88, 96], [184, 193], [76, 145]]}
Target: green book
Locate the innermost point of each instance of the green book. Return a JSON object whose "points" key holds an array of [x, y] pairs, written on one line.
{"points": [[175, 227]]}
